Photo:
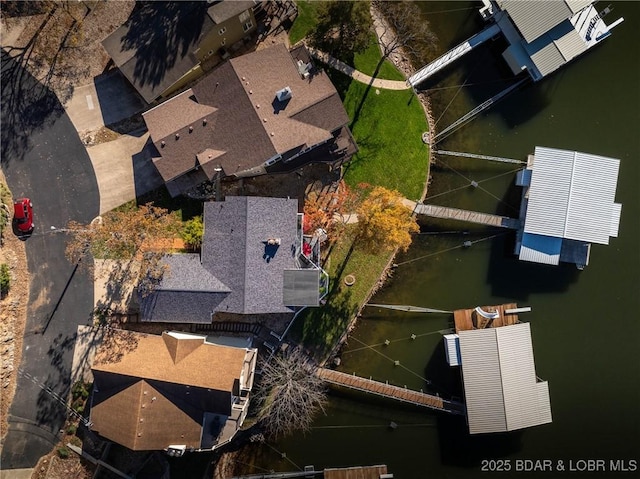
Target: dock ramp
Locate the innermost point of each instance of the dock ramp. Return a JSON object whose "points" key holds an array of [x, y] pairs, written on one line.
{"points": [[453, 55], [370, 386]]}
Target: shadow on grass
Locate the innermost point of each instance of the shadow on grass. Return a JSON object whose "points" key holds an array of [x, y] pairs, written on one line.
{"points": [[323, 327]]}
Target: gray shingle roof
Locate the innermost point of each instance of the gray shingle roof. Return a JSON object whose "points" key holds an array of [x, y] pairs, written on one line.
{"points": [[222, 11], [238, 272], [154, 48], [235, 250]]}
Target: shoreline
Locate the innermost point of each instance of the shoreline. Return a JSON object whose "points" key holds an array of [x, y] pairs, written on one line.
{"points": [[404, 66]]}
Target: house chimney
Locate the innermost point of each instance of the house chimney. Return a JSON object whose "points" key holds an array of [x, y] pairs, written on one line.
{"points": [[274, 241]]}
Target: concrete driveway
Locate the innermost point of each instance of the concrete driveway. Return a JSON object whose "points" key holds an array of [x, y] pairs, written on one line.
{"points": [[109, 99], [123, 169], [44, 159]]}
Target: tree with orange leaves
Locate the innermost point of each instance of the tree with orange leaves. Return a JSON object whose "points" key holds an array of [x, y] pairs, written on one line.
{"points": [[322, 210], [384, 223]]}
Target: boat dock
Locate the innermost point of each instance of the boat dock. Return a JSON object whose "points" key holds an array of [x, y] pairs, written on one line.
{"points": [[453, 55], [388, 391], [486, 317], [445, 212]]}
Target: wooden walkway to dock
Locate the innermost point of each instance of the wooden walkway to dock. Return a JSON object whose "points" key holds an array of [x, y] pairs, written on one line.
{"points": [[387, 390], [468, 216]]}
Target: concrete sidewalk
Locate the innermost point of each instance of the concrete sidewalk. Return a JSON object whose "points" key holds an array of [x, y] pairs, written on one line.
{"points": [[123, 170], [357, 75]]}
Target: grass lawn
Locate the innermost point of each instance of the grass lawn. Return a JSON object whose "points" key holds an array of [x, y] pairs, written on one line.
{"points": [[367, 62], [320, 328], [305, 21], [388, 129]]}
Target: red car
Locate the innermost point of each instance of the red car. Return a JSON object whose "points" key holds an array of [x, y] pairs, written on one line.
{"points": [[23, 215]]}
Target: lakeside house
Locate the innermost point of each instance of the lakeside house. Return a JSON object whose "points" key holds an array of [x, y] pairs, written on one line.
{"points": [[568, 202], [252, 264], [265, 112], [174, 392], [163, 46]]}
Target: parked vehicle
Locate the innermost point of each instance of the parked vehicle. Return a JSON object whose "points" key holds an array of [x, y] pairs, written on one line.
{"points": [[23, 215]]}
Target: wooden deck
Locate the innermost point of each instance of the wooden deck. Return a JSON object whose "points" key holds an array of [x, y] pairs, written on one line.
{"points": [[467, 319], [387, 390]]}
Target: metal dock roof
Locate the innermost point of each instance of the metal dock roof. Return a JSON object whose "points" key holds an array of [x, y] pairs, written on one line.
{"points": [[572, 196]]}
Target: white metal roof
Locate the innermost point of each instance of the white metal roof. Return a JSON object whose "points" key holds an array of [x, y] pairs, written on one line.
{"points": [[547, 59], [501, 389], [534, 18], [572, 195], [577, 5]]}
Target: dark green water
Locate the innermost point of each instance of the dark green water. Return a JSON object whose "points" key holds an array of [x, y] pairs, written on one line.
{"points": [[585, 325]]}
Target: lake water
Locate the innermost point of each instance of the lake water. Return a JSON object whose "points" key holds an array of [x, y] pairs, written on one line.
{"points": [[585, 325]]}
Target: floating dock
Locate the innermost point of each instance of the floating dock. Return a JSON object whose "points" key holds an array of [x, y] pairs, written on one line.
{"points": [[469, 319]]}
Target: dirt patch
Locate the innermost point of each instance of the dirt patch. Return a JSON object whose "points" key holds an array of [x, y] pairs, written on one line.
{"points": [[315, 177], [13, 316]]}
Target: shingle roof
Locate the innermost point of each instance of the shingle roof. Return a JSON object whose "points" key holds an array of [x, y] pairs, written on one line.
{"points": [[151, 357], [222, 11], [154, 48], [238, 271], [247, 125], [235, 250], [153, 391]]}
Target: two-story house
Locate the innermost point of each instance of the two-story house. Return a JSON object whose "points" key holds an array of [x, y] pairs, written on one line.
{"points": [[173, 392], [268, 111], [165, 45]]}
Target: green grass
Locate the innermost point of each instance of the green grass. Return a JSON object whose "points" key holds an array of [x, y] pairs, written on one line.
{"points": [[367, 61], [388, 130], [305, 21], [320, 328]]}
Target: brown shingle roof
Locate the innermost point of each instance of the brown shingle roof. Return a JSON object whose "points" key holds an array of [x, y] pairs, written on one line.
{"points": [[153, 391], [151, 358], [142, 418], [249, 125]]}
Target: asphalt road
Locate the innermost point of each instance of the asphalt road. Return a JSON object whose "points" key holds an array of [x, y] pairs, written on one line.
{"points": [[44, 159]]}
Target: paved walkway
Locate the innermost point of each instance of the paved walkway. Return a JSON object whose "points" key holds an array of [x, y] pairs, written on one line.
{"points": [[357, 75]]}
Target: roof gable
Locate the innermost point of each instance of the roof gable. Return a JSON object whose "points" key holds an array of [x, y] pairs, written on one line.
{"points": [[147, 357]]}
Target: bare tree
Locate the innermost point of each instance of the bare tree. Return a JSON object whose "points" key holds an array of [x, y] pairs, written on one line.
{"points": [[403, 29], [290, 394], [141, 234]]}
